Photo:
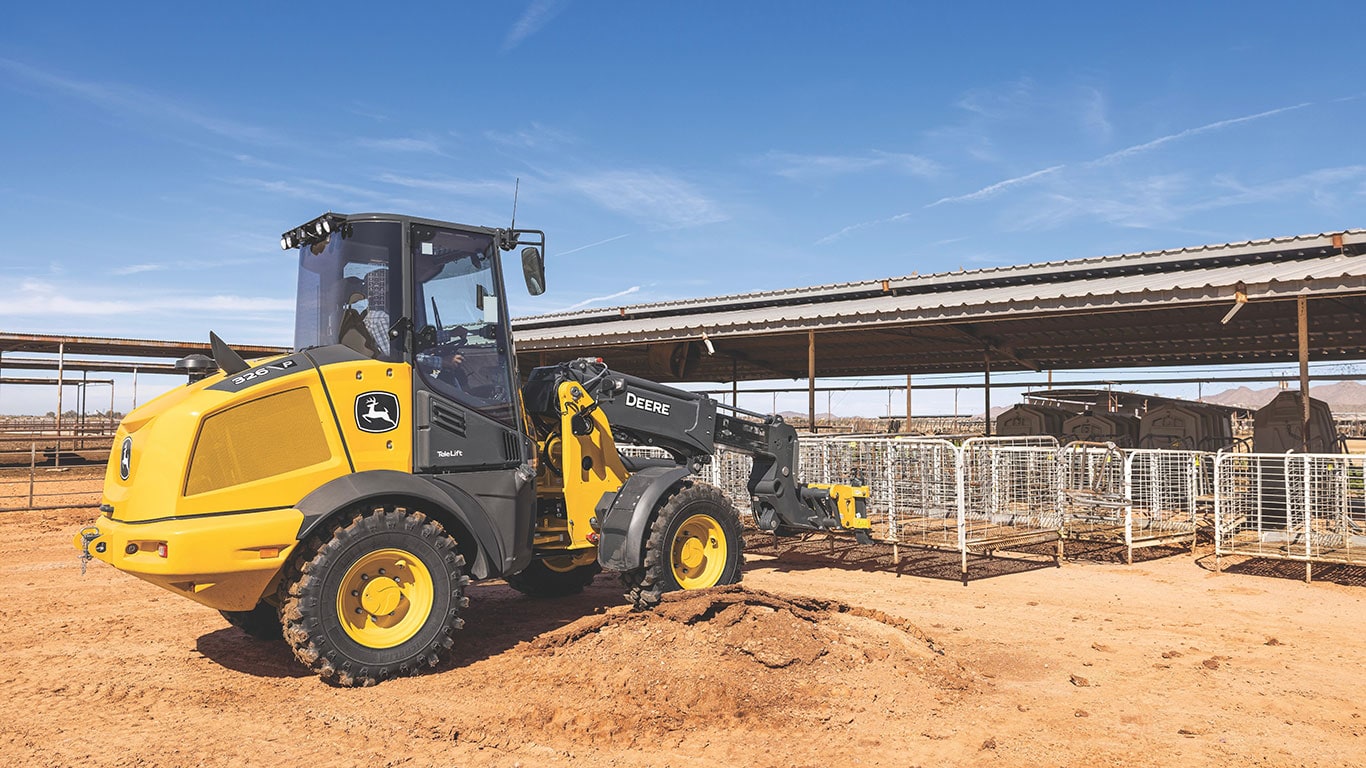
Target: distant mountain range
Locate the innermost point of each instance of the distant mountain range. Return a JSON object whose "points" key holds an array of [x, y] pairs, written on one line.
{"points": [[1342, 397]]}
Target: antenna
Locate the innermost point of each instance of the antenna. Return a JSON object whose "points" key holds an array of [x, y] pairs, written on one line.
{"points": [[517, 187]]}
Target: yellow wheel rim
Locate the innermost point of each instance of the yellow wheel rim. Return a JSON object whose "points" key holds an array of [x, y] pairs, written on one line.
{"points": [[385, 598], [698, 552]]}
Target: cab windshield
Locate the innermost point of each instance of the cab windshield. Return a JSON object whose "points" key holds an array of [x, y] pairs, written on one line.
{"points": [[350, 291]]}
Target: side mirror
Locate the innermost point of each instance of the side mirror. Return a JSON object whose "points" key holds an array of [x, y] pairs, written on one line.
{"points": [[533, 268]]}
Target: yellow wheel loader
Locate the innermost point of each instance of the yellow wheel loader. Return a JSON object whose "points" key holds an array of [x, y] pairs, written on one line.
{"points": [[344, 495]]}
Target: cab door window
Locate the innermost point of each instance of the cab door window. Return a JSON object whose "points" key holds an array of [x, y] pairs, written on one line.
{"points": [[462, 352]]}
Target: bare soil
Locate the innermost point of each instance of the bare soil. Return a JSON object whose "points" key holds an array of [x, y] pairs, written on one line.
{"points": [[828, 655]]}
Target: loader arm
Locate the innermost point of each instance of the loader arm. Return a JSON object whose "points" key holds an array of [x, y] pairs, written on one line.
{"points": [[689, 427]]}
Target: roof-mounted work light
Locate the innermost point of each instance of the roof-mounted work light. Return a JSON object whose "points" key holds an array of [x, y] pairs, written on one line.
{"points": [[314, 231]]}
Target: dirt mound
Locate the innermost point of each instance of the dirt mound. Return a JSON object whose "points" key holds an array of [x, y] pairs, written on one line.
{"points": [[724, 659]]}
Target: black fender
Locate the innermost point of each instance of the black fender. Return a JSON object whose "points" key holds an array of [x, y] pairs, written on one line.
{"points": [[462, 516], [625, 516]]}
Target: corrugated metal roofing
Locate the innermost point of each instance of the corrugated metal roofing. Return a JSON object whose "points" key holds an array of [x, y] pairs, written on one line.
{"points": [[1157, 308], [1166, 262], [1266, 279]]}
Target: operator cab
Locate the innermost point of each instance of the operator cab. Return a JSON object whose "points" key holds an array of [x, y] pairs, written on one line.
{"points": [[429, 294]]}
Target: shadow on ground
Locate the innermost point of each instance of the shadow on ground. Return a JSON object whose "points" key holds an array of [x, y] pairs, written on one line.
{"points": [[811, 552], [497, 619], [1292, 570]]}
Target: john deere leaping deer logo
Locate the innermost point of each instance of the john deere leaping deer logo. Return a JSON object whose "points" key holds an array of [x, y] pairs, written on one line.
{"points": [[376, 412]]}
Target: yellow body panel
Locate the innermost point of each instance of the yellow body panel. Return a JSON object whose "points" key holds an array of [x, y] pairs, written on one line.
{"points": [[374, 450], [214, 475], [225, 562], [165, 436], [590, 463]]}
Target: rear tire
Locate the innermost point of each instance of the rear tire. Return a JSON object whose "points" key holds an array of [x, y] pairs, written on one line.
{"points": [[376, 596], [694, 543], [543, 580], [261, 622]]}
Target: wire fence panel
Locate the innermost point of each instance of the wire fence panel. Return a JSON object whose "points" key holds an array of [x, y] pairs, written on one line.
{"points": [[922, 483], [38, 487], [729, 470], [1010, 492], [1309, 507], [1165, 490], [1092, 491]]}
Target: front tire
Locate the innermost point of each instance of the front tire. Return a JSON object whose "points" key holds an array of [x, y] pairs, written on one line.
{"points": [[378, 596], [694, 543]]}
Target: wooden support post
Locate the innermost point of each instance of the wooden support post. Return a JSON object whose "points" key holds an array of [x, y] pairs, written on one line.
{"points": [[811, 378], [1302, 314], [907, 426]]}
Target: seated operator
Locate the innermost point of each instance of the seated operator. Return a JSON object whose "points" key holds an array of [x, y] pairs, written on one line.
{"points": [[452, 371]]}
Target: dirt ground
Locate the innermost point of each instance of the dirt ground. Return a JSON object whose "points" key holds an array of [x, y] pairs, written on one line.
{"points": [[823, 658]]}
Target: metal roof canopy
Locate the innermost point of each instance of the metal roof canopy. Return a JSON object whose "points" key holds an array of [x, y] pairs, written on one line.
{"points": [[91, 345], [1146, 309], [1156, 308]]}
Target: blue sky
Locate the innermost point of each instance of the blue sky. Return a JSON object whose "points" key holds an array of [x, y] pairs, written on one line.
{"points": [[150, 156]]}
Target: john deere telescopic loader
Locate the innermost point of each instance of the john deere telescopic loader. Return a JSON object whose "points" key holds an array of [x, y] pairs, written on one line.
{"points": [[347, 493]]}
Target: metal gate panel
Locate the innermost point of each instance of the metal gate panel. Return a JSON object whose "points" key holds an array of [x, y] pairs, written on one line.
{"points": [[1165, 490], [1092, 491], [1309, 507], [1010, 493]]}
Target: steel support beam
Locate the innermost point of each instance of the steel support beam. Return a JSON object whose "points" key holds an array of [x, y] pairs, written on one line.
{"points": [[986, 386], [1302, 317], [811, 378]]}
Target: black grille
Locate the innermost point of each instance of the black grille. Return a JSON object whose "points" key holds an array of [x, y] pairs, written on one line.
{"points": [[448, 419], [512, 446]]}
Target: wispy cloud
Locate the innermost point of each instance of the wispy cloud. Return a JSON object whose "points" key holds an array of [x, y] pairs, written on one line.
{"points": [[1000, 102], [592, 245], [1094, 120], [650, 196], [1134, 203], [407, 144], [137, 269], [333, 195], [832, 237], [537, 15], [43, 298], [535, 136], [1324, 186], [128, 101], [1160, 141], [367, 111], [600, 299], [463, 187], [994, 189], [798, 166]]}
